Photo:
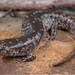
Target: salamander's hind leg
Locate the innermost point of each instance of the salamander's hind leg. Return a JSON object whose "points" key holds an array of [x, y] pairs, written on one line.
{"points": [[50, 36], [29, 57]]}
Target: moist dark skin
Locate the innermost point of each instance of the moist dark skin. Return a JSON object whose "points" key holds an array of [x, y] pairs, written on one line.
{"points": [[34, 25]]}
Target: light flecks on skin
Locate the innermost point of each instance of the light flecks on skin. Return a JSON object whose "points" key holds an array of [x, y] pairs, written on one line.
{"points": [[33, 38], [2, 41], [72, 28], [34, 12], [31, 45], [27, 16], [39, 34], [60, 16], [23, 48], [33, 21], [20, 45], [17, 39], [65, 18], [7, 48], [10, 42], [42, 29], [5, 51], [28, 39], [33, 30], [39, 19], [47, 22], [11, 52], [34, 43], [2, 44], [37, 12], [71, 21], [26, 48], [21, 42], [36, 37]]}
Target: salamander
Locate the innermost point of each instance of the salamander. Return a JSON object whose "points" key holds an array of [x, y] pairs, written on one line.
{"points": [[34, 25]]}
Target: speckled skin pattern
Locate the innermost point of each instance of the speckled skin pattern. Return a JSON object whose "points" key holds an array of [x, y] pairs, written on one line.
{"points": [[34, 25]]}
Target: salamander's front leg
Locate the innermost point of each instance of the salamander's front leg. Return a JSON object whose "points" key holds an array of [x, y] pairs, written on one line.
{"points": [[30, 57], [52, 34]]}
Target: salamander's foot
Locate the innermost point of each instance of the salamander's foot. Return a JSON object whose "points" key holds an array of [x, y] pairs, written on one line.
{"points": [[30, 57], [50, 36], [46, 37], [44, 46]]}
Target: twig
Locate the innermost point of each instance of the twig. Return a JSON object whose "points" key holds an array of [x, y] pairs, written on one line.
{"points": [[35, 4], [6, 14]]}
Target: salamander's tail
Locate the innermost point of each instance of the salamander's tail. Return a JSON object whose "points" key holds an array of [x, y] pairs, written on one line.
{"points": [[66, 59]]}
